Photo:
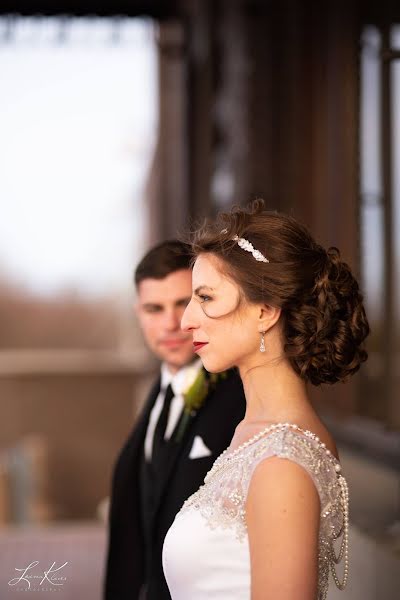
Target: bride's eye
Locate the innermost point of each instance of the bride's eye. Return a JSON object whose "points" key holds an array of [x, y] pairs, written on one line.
{"points": [[204, 298]]}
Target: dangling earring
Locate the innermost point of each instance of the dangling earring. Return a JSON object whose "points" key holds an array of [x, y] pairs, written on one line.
{"points": [[262, 344]]}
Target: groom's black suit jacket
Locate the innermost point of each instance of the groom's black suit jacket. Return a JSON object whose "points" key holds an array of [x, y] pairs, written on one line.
{"points": [[176, 480]]}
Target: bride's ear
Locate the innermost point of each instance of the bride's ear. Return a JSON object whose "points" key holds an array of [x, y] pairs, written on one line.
{"points": [[267, 317]]}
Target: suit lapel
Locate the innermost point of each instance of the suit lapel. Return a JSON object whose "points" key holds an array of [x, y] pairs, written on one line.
{"points": [[141, 427]]}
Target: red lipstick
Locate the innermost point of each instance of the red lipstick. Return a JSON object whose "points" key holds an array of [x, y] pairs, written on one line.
{"points": [[198, 345]]}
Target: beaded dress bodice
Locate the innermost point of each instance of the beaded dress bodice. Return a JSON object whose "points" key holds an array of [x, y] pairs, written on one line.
{"points": [[213, 520]]}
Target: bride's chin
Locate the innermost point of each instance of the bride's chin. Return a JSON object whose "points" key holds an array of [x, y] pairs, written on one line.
{"points": [[214, 366]]}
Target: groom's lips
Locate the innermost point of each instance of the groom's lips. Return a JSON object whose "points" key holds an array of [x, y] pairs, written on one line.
{"points": [[198, 345], [174, 342]]}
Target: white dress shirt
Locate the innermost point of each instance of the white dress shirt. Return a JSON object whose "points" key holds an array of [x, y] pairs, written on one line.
{"points": [[180, 382]]}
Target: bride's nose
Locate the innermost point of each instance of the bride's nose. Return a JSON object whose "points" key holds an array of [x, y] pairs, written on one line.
{"points": [[188, 321]]}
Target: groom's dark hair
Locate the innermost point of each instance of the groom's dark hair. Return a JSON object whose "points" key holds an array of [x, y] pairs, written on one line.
{"points": [[163, 259]]}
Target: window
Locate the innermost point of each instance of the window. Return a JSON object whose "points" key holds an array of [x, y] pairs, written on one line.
{"points": [[78, 114], [380, 214]]}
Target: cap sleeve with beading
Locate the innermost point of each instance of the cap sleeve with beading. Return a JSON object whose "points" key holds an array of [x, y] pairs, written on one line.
{"points": [[314, 458], [221, 500]]}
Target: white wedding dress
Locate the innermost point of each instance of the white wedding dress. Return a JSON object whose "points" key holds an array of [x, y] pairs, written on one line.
{"points": [[206, 552]]}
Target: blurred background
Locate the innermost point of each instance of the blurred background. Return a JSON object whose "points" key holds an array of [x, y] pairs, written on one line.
{"points": [[121, 123]]}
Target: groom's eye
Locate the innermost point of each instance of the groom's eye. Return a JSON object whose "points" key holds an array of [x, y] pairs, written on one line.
{"points": [[184, 302], [152, 308], [205, 298]]}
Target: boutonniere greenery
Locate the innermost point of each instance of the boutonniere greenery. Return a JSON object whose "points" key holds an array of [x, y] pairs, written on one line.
{"points": [[201, 383]]}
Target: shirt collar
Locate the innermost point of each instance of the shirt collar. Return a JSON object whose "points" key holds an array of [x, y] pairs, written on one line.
{"points": [[182, 379]]}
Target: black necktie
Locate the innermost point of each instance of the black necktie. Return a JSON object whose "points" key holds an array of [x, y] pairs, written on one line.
{"points": [[159, 432]]}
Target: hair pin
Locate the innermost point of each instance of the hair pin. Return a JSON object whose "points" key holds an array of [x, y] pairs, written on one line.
{"points": [[248, 246]]}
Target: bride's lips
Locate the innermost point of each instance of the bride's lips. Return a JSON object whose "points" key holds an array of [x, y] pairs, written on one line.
{"points": [[198, 345]]}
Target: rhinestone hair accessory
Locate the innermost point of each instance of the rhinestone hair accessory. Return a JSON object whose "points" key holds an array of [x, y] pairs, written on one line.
{"points": [[246, 245]]}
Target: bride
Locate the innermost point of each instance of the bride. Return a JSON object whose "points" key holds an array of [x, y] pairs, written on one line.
{"points": [[271, 519]]}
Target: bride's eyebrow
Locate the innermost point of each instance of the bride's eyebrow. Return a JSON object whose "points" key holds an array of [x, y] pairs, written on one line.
{"points": [[202, 287]]}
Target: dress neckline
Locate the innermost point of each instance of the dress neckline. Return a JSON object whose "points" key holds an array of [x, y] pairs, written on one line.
{"points": [[276, 427], [228, 457]]}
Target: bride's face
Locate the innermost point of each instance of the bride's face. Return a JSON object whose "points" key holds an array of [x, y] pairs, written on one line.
{"points": [[219, 316]]}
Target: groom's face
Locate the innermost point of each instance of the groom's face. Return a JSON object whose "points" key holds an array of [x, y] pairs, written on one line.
{"points": [[161, 304]]}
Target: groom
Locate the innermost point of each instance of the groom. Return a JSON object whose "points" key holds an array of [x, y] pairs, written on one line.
{"points": [[173, 445]]}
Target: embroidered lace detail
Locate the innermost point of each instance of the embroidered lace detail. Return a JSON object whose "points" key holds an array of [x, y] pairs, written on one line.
{"points": [[221, 499]]}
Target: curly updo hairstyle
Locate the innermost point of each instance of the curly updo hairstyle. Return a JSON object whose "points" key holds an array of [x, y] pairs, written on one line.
{"points": [[323, 318]]}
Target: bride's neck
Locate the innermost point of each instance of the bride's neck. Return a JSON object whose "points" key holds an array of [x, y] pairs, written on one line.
{"points": [[274, 392]]}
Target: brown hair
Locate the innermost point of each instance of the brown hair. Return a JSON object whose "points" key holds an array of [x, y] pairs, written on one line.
{"points": [[163, 259], [323, 317]]}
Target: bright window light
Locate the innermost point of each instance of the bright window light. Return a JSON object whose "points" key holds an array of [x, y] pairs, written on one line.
{"points": [[78, 111]]}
